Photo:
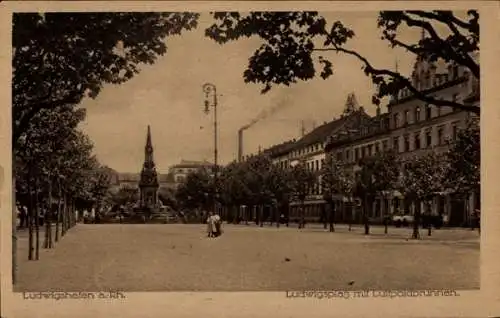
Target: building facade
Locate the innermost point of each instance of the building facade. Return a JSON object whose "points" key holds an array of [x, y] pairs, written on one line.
{"points": [[180, 171], [310, 149], [413, 128]]}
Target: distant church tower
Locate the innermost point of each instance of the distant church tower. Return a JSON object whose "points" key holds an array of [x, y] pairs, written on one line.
{"points": [[148, 183], [351, 105]]}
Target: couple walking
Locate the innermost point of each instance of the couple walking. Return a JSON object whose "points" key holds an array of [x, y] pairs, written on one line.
{"points": [[214, 225]]}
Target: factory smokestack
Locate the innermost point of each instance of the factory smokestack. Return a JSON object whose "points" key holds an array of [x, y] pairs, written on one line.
{"points": [[240, 144]]}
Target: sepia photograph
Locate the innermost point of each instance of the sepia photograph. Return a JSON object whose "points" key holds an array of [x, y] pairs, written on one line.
{"points": [[246, 151], [312, 153]]}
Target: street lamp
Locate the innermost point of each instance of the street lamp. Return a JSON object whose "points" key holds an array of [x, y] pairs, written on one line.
{"points": [[210, 91]]}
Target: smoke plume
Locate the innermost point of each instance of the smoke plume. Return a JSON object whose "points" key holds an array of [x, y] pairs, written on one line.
{"points": [[280, 104]]}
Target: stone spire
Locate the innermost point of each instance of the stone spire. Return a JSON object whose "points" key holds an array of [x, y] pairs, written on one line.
{"points": [[148, 173], [148, 157]]}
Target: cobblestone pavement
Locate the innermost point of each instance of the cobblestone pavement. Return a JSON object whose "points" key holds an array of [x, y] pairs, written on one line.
{"points": [[180, 258]]}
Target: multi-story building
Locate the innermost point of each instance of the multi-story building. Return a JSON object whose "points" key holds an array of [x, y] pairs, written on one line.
{"points": [[179, 172], [310, 150], [413, 128]]}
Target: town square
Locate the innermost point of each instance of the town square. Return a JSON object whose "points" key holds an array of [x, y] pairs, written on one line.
{"points": [[246, 151]]}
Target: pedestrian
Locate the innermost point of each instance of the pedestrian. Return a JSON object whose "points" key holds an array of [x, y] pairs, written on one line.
{"points": [[19, 218], [217, 225], [210, 224]]}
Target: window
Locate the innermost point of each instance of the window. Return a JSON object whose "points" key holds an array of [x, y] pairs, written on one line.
{"points": [[347, 156], [428, 138], [377, 148], [417, 114], [339, 156], [407, 117], [356, 154], [317, 165], [395, 144], [417, 141], [396, 120], [440, 136], [369, 150], [406, 143], [384, 145], [428, 111]]}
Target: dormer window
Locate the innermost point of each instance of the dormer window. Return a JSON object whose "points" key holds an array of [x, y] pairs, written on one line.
{"points": [[417, 114], [428, 111]]}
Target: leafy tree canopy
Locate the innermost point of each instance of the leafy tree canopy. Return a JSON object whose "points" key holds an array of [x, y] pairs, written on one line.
{"points": [[295, 46], [55, 66], [464, 160]]}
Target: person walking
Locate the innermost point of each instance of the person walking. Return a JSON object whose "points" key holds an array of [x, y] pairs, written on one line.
{"points": [[210, 224], [217, 225]]}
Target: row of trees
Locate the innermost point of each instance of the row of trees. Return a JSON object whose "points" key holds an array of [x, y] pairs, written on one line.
{"points": [[258, 182], [55, 174]]}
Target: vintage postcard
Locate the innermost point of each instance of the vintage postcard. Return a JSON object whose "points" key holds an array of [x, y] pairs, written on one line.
{"points": [[249, 159]]}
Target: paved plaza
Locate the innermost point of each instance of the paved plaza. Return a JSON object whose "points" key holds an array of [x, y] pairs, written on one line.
{"points": [[248, 258]]}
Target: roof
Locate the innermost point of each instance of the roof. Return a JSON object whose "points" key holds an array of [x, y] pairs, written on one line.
{"points": [[370, 127], [280, 149], [192, 164], [321, 133]]}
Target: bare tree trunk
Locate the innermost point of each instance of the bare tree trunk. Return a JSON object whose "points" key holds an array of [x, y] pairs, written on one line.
{"points": [[302, 215], [37, 222], [416, 225], [64, 215], [351, 216], [366, 219], [31, 220], [58, 218], [261, 215], [386, 215], [277, 211], [48, 218], [331, 216], [429, 225], [325, 214]]}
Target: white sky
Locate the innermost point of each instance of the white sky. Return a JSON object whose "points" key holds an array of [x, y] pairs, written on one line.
{"points": [[168, 96]]}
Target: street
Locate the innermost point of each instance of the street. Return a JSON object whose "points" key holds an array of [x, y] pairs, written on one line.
{"points": [[179, 257]]}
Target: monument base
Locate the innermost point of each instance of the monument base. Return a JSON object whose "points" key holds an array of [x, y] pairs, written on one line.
{"points": [[148, 215]]}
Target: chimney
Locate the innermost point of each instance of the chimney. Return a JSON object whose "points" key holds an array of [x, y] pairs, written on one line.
{"points": [[240, 145]]}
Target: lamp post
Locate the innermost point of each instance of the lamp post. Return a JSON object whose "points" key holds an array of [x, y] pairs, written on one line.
{"points": [[210, 91]]}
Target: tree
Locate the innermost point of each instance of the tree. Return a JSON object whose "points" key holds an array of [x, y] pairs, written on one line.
{"points": [[57, 66], [196, 191], [279, 183], [334, 181], [234, 189], [365, 188], [295, 43], [302, 182], [125, 195], [463, 173], [422, 180], [386, 174]]}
